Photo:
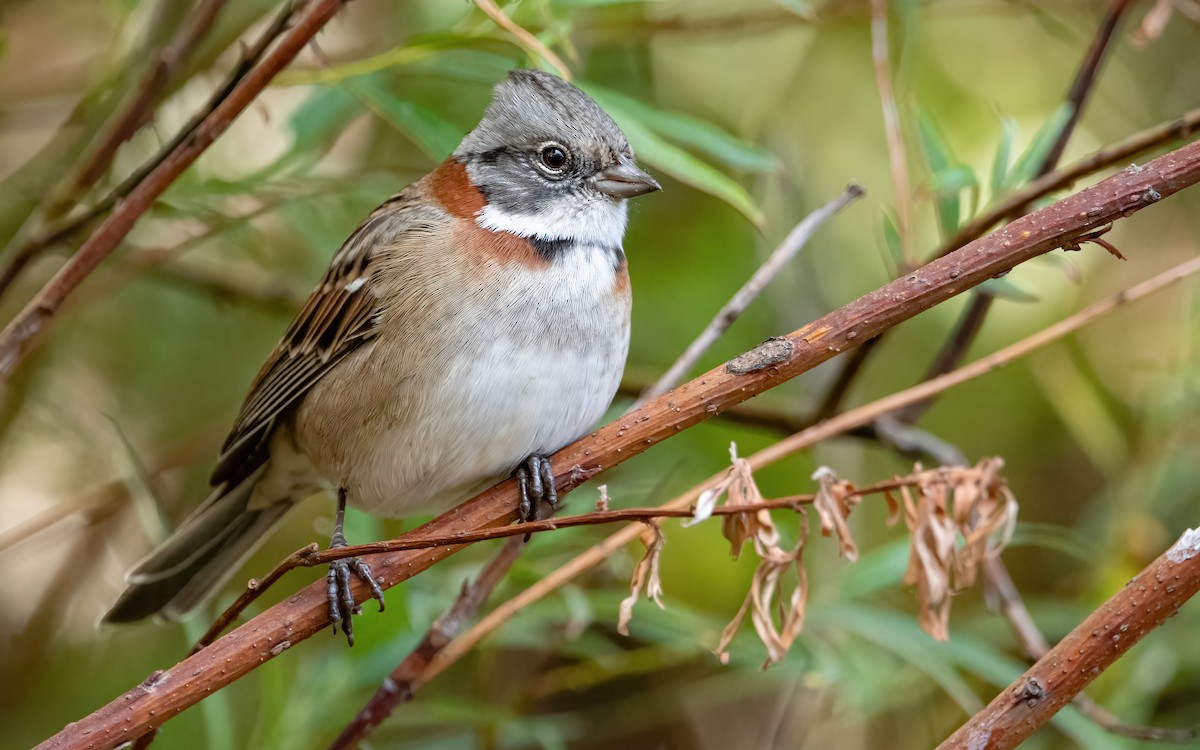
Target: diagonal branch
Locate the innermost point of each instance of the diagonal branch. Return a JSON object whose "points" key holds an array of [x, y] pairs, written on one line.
{"points": [[17, 338], [1086, 651], [778, 360], [135, 111], [1013, 608], [1132, 147], [57, 229]]}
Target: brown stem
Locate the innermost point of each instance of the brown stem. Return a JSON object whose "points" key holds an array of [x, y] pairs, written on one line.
{"points": [[1013, 608], [1145, 603], [136, 110], [1084, 83], [313, 555], [186, 137], [1131, 148], [832, 402], [302, 615]]}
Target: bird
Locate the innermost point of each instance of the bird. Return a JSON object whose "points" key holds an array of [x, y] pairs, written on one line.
{"points": [[472, 324]]}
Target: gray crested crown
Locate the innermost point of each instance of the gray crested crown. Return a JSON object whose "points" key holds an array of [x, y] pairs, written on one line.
{"points": [[552, 165], [532, 107]]}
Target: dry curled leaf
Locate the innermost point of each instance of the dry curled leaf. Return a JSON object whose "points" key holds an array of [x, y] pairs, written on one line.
{"points": [[777, 632], [834, 499], [761, 601], [957, 518], [645, 576]]}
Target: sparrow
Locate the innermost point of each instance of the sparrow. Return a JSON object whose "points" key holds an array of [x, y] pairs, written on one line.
{"points": [[474, 323]]}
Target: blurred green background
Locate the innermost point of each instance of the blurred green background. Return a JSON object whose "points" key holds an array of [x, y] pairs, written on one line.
{"points": [[748, 113]]}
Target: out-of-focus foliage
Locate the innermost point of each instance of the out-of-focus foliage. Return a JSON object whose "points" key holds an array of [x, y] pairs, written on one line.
{"points": [[751, 114]]}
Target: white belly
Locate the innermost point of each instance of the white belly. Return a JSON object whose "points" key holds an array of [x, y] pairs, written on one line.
{"points": [[528, 375]]}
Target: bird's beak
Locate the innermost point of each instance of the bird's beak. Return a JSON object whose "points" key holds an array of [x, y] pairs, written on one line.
{"points": [[624, 180]]}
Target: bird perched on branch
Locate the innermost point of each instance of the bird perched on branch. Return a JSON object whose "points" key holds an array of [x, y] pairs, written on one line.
{"points": [[475, 322]]}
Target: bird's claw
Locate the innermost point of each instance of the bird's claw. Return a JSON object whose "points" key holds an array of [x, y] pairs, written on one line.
{"points": [[342, 606], [535, 478]]}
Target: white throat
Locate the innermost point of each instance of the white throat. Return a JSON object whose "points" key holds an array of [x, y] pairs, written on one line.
{"points": [[596, 222]]}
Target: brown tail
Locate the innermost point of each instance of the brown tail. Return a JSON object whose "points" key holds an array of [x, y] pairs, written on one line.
{"points": [[200, 556]]}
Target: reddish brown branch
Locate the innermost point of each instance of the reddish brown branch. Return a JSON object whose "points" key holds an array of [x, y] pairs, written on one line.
{"points": [[135, 112], [17, 337], [56, 228], [1013, 608], [1118, 153], [1144, 604], [778, 360]]}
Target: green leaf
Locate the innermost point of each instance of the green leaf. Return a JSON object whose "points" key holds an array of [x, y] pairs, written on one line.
{"points": [[954, 179], [690, 131], [660, 154], [939, 160], [801, 8], [1029, 162], [452, 55], [321, 118], [878, 569], [428, 130], [917, 649], [1002, 288], [971, 655], [315, 125], [891, 238], [1000, 162]]}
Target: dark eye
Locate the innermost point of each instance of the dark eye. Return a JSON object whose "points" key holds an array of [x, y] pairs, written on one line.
{"points": [[554, 157]]}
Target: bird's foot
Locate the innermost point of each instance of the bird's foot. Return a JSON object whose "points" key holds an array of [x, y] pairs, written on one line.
{"points": [[539, 498], [342, 606]]}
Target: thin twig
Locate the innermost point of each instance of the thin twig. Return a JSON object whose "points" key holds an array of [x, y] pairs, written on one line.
{"points": [[312, 555], [971, 321], [779, 257], [850, 420], [891, 126], [1084, 83], [404, 681], [18, 336], [64, 228], [305, 613], [1118, 153], [124, 119], [136, 111], [831, 402], [525, 40], [1035, 697], [1013, 608]]}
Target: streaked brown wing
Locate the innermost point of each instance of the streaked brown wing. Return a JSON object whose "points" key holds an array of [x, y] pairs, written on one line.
{"points": [[338, 317]]}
